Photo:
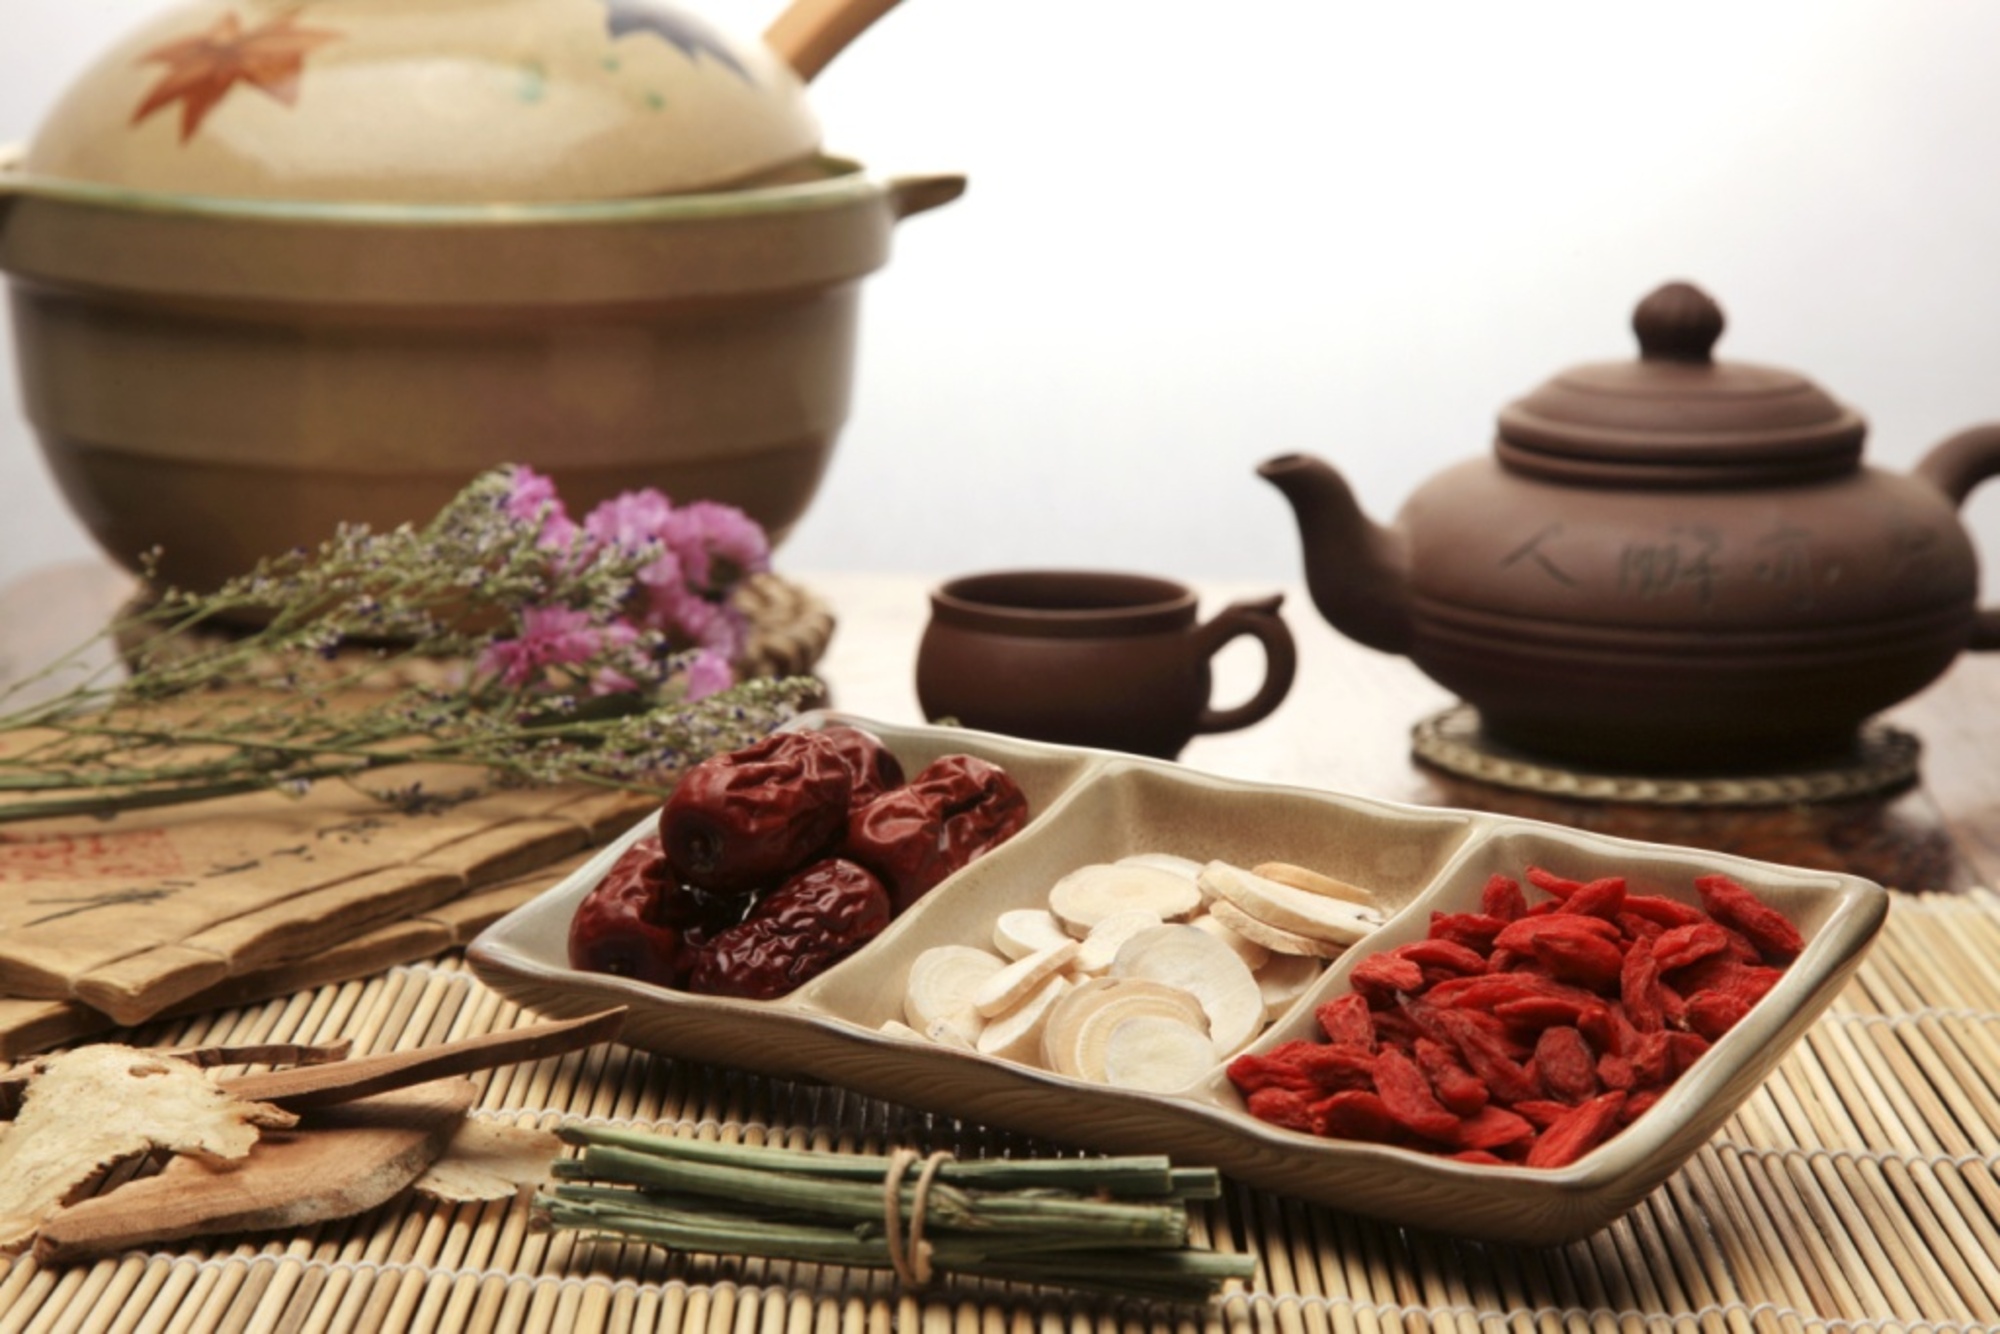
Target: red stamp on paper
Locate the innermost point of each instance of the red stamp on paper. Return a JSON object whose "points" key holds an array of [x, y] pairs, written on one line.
{"points": [[141, 854]]}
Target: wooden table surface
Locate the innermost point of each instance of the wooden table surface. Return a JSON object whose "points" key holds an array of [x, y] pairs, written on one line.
{"points": [[1346, 725]]}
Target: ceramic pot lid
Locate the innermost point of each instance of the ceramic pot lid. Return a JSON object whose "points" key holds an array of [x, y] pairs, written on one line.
{"points": [[428, 101], [1678, 414]]}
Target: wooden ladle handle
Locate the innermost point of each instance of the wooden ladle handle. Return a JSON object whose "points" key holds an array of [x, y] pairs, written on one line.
{"points": [[810, 33]]}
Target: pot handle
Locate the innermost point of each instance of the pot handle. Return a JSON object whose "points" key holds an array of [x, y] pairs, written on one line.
{"points": [[1259, 618], [1955, 466], [919, 194]]}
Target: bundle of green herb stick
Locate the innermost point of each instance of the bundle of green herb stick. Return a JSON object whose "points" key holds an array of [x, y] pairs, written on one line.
{"points": [[1118, 1226]]}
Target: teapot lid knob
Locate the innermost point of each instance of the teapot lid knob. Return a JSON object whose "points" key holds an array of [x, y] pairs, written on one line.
{"points": [[1678, 322]]}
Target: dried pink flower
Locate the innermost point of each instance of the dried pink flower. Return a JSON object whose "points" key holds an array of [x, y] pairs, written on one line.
{"points": [[552, 637], [532, 498]]}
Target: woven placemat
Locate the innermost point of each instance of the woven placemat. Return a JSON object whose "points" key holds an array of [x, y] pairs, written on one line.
{"points": [[1884, 758], [1857, 1188]]}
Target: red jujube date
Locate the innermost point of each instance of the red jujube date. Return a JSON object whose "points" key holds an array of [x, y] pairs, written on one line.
{"points": [[914, 836], [616, 929], [872, 767], [797, 931], [742, 821]]}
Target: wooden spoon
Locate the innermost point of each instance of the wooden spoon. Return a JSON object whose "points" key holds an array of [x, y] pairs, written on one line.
{"points": [[810, 33]]}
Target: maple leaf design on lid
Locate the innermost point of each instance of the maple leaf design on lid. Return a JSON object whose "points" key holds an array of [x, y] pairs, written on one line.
{"points": [[201, 70]]}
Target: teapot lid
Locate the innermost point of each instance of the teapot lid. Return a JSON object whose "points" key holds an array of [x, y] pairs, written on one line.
{"points": [[1678, 416]]}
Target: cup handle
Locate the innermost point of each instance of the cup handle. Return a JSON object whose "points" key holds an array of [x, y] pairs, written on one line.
{"points": [[1257, 617]]}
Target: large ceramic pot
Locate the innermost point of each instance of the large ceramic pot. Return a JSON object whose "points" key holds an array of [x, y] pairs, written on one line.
{"points": [[276, 266], [1668, 564]]}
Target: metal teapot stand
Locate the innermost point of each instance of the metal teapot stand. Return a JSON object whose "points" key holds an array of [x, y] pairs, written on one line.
{"points": [[1884, 759]]}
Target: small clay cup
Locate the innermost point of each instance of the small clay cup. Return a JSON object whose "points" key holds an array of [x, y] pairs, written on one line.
{"points": [[1089, 658]]}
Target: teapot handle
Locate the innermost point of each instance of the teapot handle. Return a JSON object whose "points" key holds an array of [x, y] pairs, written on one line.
{"points": [[1955, 466], [1258, 617]]}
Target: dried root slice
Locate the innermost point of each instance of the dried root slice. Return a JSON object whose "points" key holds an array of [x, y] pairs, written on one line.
{"points": [[93, 1106], [1101, 946], [1284, 979], [1156, 1054], [1295, 910], [1089, 894], [1019, 932], [1063, 1048], [959, 1030], [1016, 1035], [1163, 861], [490, 1160], [1246, 949], [1010, 986], [1313, 882], [937, 998], [1273, 939], [1189, 958]]}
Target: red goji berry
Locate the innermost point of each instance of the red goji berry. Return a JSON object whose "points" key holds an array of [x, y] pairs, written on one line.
{"points": [[1503, 898], [1639, 988], [1330, 1068], [1734, 906], [1497, 989], [1636, 927], [1604, 898], [1540, 1113], [1665, 911], [1686, 1049], [1282, 1107], [1313, 1068], [1578, 956], [1385, 974], [1474, 930], [1577, 1133], [1356, 1114], [1713, 1013], [1253, 1073], [1523, 934], [1485, 1053], [1535, 1013], [1637, 1103], [1492, 1128], [1346, 1021], [1550, 883], [1652, 1060], [1456, 1086], [1721, 972], [1607, 1028], [1394, 1029], [1444, 954], [1407, 1094], [1565, 1064], [1679, 946], [1616, 1072]]}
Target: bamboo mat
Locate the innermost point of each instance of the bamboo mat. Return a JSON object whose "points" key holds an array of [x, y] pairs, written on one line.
{"points": [[1855, 1190]]}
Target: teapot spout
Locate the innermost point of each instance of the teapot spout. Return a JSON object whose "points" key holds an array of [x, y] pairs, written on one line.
{"points": [[1356, 570]]}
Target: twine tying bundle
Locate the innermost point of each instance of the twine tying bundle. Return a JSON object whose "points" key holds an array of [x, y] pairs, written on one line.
{"points": [[909, 1253]]}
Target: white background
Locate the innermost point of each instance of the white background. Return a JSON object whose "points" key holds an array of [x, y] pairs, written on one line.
{"points": [[1199, 235]]}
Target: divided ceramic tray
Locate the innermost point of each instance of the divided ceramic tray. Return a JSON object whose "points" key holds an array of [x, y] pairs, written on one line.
{"points": [[1092, 806]]}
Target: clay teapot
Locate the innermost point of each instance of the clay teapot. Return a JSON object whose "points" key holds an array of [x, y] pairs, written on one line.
{"points": [[1672, 564]]}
